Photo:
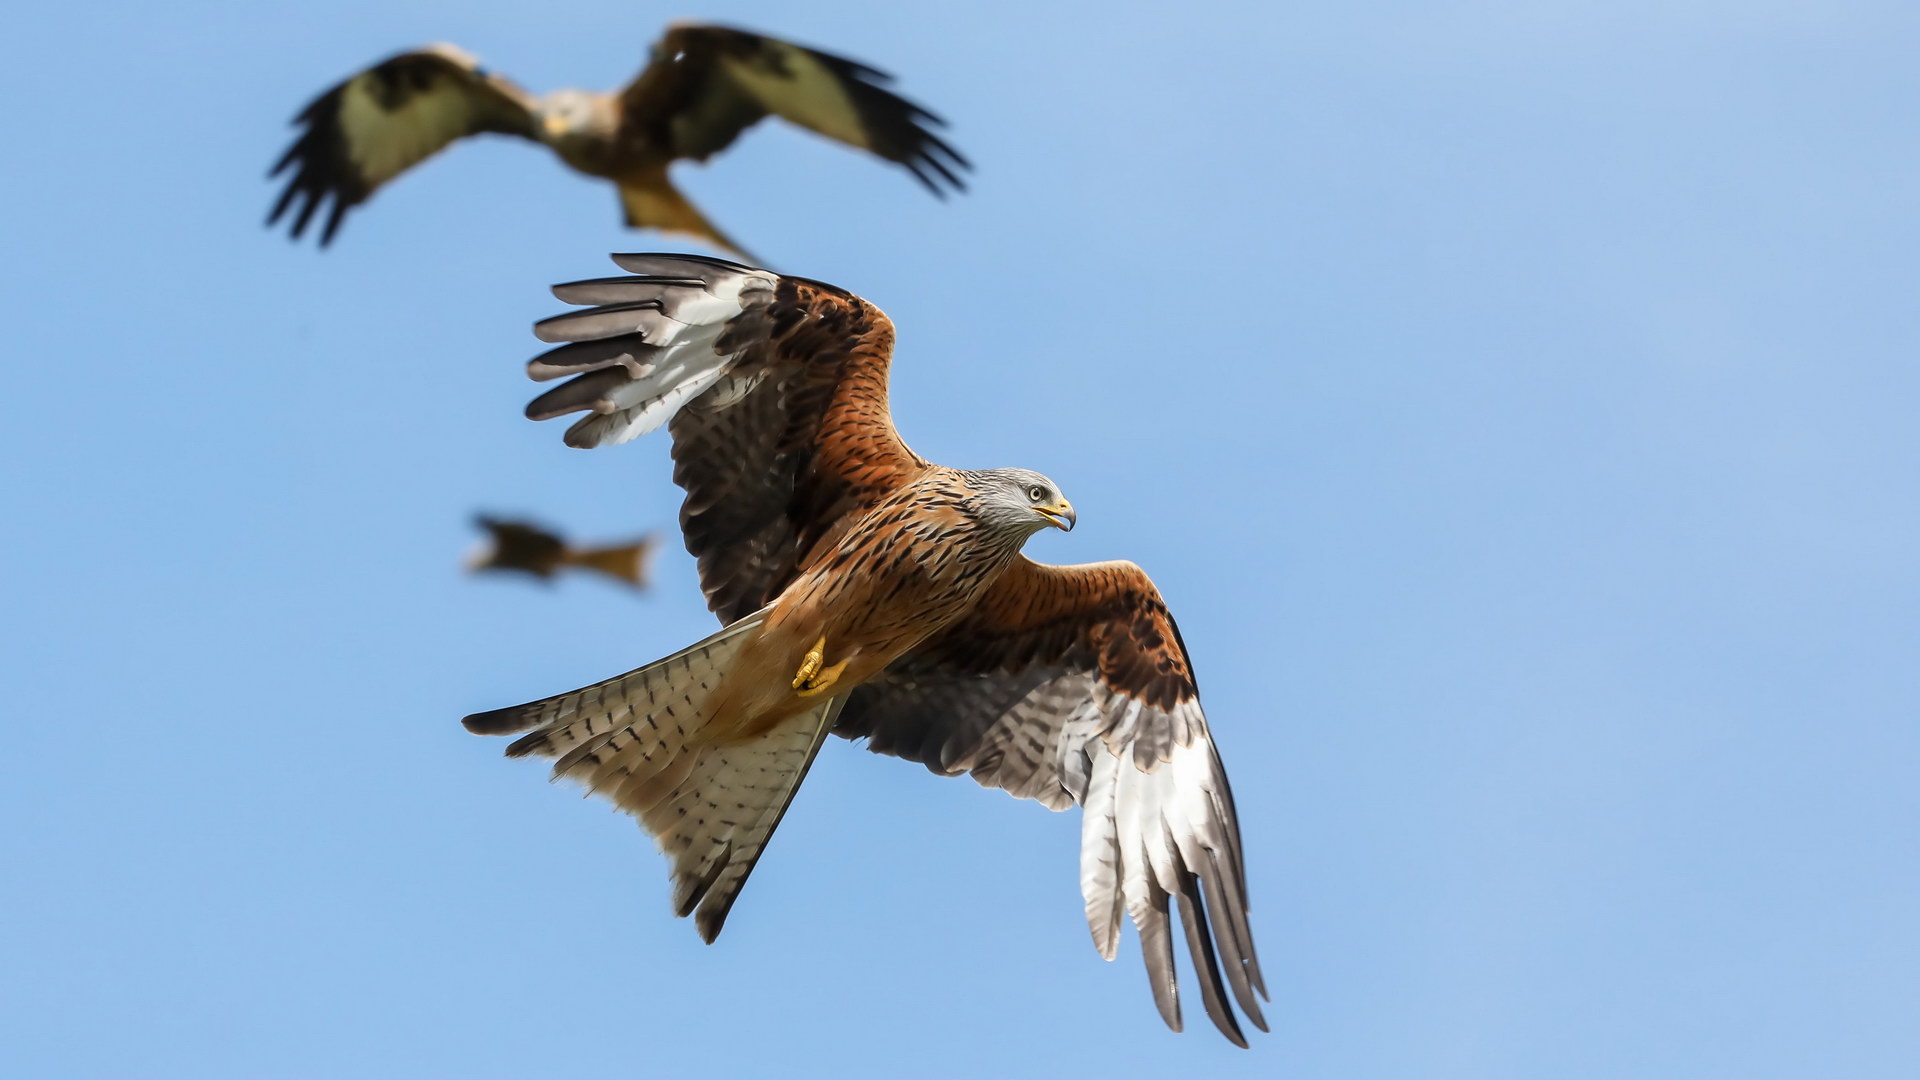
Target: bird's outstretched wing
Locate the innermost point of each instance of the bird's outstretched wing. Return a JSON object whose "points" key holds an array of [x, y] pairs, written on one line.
{"points": [[707, 84], [775, 391], [1069, 684], [383, 121]]}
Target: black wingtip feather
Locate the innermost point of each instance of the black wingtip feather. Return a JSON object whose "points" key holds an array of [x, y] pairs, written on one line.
{"points": [[941, 168], [497, 721], [679, 256], [1156, 948], [934, 142], [280, 206], [925, 180], [698, 889], [334, 219], [306, 215], [1213, 992]]}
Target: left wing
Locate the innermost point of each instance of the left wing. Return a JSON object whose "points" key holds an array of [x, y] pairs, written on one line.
{"points": [[1069, 684], [774, 389], [707, 84], [387, 119]]}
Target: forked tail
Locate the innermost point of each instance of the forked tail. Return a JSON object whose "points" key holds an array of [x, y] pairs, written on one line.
{"points": [[630, 739], [624, 562], [652, 202]]}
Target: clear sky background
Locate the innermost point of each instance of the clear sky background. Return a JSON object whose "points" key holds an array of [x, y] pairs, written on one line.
{"points": [[1515, 403]]}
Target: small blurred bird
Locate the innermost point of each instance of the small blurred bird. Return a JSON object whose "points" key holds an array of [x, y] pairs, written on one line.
{"points": [[530, 549], [702, 87]]}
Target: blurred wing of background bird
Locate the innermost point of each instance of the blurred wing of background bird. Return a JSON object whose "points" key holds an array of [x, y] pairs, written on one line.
{"points": [[1068, 685], [707, 84], [526, 547], [386, 119]]}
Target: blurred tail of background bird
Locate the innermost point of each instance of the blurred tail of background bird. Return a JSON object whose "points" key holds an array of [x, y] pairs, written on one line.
{"points": [[529, 548]]}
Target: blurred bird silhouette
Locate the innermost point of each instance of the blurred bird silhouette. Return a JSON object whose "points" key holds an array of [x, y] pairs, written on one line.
{"points": [[703, 86], [527, 548]]}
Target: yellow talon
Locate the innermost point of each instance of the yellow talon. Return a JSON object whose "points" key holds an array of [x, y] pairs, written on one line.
{"points": [[813, 675], [810, 667]]}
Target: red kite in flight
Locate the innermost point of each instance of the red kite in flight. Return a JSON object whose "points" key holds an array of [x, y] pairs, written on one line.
{"points": [[703, 86], [870, 593]]}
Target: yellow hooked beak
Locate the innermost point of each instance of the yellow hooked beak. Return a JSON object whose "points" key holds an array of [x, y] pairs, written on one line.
{"points": [[555, 124], [1059, 514]]}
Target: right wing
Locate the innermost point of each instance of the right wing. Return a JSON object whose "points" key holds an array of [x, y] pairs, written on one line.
{"points": [[1070, 685], [707, 84], [388, 118], [775, 391]]}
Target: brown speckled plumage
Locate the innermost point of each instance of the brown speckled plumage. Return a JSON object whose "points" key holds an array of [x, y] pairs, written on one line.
{"points": [[826, 545]]}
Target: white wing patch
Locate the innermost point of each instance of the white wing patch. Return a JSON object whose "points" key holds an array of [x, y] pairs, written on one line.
{"points": [[1157, 818], [1159, 830], [382, 143], [648, 346], [641, 405], [806, 93]]}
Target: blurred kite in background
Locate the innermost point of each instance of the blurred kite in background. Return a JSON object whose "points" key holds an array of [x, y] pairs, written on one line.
{"points": [[524, 547], [870, 593], [703, 86]]}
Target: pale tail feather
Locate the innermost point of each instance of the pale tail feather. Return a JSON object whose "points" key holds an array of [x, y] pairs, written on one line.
{"points": [[717, 823], [618, 734], [711, 809]]}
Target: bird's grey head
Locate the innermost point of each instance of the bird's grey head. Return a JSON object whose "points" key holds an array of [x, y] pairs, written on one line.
{"points": [[1021, 501]]}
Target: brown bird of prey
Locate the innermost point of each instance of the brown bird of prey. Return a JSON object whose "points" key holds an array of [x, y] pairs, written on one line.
{"points": [[870, 593], [703, 86], [527, 548]]}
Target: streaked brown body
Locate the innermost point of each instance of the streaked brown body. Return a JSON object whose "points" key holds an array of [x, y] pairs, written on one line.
{"points": [[907, 570]]}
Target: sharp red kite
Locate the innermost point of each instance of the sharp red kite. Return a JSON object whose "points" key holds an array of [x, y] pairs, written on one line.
{"points": [[527, 548], [871, 593], [703, 86]]}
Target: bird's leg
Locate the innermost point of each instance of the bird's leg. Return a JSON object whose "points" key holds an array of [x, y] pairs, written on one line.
{"points": [[810, 666], [814, 676]]}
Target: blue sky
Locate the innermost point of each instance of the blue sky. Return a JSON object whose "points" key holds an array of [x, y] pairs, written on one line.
{"points": [[1514, 403]]}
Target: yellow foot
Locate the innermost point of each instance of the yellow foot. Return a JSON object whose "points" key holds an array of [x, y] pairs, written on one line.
{"points": [[813, 675]]}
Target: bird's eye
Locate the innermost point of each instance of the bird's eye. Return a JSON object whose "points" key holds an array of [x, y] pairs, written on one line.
{"points": [[1036, 493]]}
